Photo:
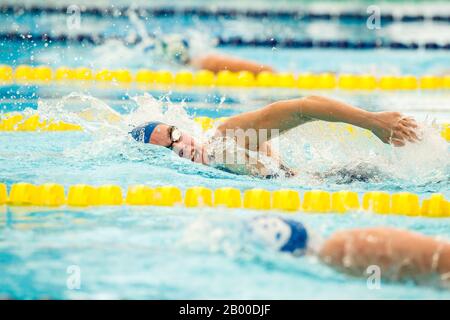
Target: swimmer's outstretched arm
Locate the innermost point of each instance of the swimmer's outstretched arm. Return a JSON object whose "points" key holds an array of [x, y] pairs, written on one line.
{"points": [[399, 254], [218, 62], [390, 127]]}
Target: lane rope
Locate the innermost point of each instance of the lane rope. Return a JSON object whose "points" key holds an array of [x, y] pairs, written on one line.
{"points": [[235, 41], [17, 122], [287, 200], [25, 74], [209, 12]]}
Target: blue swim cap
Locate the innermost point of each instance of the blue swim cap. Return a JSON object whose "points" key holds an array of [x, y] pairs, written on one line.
{"points": [[143, 132], [281, 234]]}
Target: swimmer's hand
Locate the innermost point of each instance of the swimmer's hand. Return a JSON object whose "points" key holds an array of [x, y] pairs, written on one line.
{"points": [[394, 128]]}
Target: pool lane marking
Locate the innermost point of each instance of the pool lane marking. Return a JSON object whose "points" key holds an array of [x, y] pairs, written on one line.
{"points": [[285, 200], [28, 75]]}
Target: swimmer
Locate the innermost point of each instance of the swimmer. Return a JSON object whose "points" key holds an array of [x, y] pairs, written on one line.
{"points": [[256, 157], [401, 255], [174, 48]]}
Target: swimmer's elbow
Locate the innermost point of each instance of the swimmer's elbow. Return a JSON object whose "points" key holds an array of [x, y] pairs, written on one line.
{"points": [[314, 107], [309, 102], [313, 97]]}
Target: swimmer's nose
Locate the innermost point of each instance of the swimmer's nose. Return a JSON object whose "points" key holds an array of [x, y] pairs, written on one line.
{"points": [[183, 150], [180, 150]]}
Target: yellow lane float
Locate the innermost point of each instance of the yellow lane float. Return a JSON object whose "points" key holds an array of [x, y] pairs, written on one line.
{"points": [[283, 200], [26, 74], [20, 122]]}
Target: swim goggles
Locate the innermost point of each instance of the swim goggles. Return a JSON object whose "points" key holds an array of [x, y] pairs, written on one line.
{"points": [[175, 136]]}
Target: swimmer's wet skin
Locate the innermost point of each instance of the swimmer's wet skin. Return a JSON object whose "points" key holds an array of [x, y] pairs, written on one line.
{"points": [[400, 255], [218, 62], [279, 117]]}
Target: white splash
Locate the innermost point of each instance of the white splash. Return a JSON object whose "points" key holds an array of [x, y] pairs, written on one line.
{"points": [[326, 148]]}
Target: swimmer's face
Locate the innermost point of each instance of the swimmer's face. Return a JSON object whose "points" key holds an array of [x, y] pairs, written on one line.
{"points": [[184, 147]]}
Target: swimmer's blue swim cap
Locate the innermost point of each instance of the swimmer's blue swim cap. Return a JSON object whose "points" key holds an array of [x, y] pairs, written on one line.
{"points": [[143, 132], [281, 234]]}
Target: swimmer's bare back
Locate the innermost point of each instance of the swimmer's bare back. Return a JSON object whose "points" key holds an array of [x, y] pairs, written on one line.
{"points": [[282, 116], [398, 254]]}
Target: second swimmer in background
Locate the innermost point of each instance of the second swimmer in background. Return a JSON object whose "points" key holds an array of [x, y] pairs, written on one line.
{"points": [[176, 49], [400, 255]]}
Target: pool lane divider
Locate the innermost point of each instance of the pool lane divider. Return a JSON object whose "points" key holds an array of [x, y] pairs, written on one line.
{"points": [[234, 41], [286, 200], [218, 12], [339, 44], [29, 75], [16, 122]]}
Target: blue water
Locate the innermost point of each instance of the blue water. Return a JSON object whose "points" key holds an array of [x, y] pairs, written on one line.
{"points": [[176, 253], [147, 253]]}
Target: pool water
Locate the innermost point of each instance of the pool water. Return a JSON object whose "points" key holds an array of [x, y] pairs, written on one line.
{"points": [[178, 253]]}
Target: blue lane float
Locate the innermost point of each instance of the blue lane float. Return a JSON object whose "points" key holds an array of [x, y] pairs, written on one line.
{"points": [[205, 12], [235, 41]]}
